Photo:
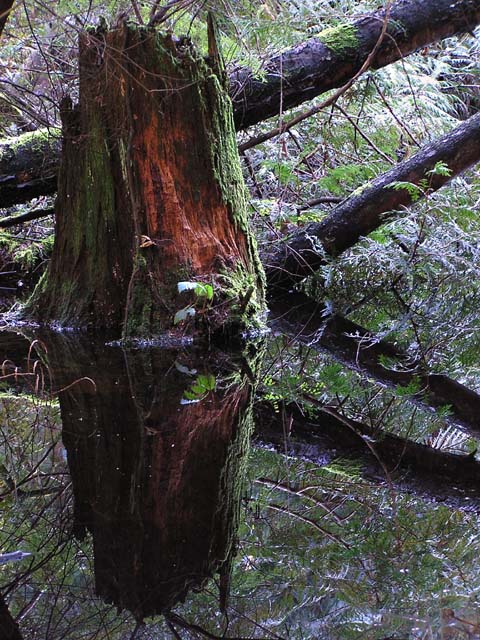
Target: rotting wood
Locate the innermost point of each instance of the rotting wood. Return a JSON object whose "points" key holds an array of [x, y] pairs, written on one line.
{"points": [[150, 194]]}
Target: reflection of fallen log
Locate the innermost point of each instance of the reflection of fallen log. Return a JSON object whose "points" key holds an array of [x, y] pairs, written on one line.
{"points": [[326, 436], [301, 318]]}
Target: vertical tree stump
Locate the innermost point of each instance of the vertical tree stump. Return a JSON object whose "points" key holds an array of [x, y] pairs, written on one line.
{"points": [[150, 193]]}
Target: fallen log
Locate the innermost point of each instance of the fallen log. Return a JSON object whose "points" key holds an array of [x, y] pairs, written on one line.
{"points": [[28, 166], [34, 214], [299, 255], [335, 55]]}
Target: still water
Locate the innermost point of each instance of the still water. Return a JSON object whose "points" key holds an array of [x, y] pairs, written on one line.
{"points": [[181, 493]]}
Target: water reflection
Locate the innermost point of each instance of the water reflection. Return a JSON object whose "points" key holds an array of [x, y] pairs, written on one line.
{"points": [[347, 529], [156, 442]]}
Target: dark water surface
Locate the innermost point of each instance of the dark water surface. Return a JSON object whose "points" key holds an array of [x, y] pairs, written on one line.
{"points": [[175, 492]]}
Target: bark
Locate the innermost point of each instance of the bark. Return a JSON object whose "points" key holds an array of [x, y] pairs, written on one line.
{"points": [[303, 72], [289, 262], [324, 437], [9, 629], [150, 194], [334, 56], [359, 349], [156, 481], [28, 166], [5, 8]]}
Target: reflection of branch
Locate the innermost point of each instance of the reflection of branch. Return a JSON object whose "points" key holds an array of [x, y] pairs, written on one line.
{"points": [[325, 437], [312, 523], [299, 494], [302, 319], [174, 618]]}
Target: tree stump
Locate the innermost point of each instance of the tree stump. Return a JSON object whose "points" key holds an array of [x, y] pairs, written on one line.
{"points": [[150, 194]]}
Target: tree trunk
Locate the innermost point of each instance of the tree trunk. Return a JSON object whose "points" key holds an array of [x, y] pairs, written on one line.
{"points": [[325, 437], [290, 261], [150, 194], [9, 629], [359, 349], [322, 63], [157, 467]]}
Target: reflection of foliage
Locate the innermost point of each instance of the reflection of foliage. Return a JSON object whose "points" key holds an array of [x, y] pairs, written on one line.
{"points": [[200, 388], [325, 555], [322, 553]]}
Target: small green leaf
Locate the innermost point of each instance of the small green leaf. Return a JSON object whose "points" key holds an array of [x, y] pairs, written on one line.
{"points": [[413, 190], [441, 169]]}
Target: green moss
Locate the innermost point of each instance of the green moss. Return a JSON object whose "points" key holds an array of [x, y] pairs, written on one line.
{"points": [[35, 143], [341, 39], [26, 255], [35, 139], [247, 300]]}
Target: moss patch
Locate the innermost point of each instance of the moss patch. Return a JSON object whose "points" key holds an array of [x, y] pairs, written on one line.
{"points": [[341, 39]]}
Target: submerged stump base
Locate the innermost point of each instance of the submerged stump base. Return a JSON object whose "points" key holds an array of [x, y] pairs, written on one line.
{"points": [[150, 195]]}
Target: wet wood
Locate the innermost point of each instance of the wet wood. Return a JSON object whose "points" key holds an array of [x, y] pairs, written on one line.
{"points": [[150, 193], [303, 252]]}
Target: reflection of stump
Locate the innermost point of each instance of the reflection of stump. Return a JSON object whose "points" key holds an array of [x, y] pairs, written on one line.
{"points": [[150, 193], [156, 482]]}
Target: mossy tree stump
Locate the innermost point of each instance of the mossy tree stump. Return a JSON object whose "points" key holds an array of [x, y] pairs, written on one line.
{"points": [[150, 193]]}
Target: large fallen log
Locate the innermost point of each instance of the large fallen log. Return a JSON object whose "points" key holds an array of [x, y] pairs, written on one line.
{"points": [[305, 71], [359, 349], [28, 166], [302, 253], [334, 56]]}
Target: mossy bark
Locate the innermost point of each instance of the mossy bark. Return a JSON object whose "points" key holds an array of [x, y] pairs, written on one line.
{"points": [[157, 478], [28, 166], [150, 193]]}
